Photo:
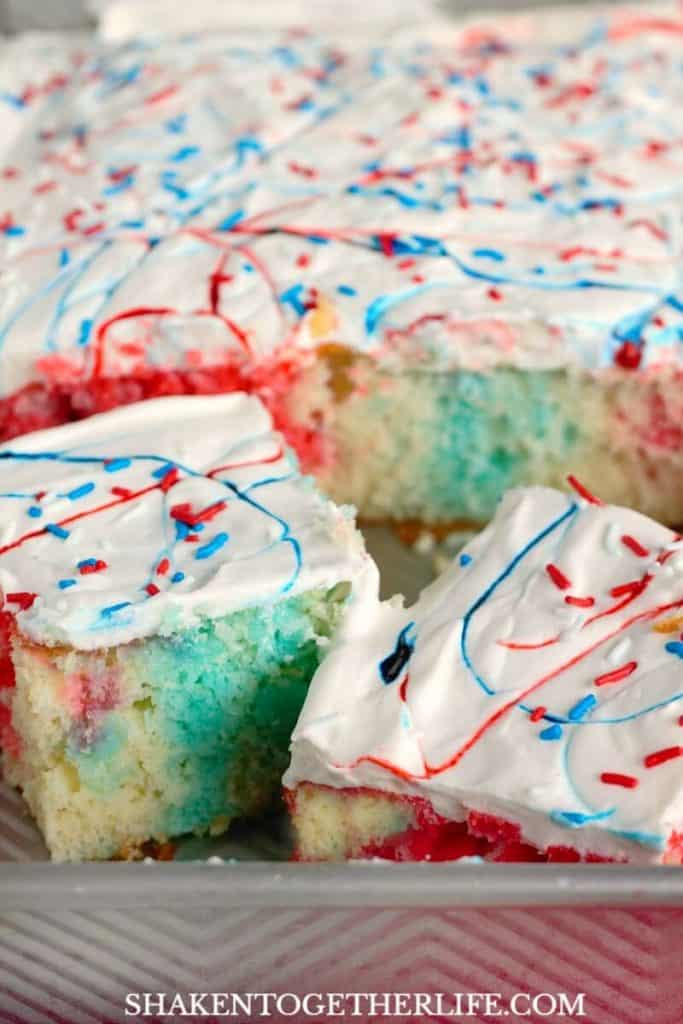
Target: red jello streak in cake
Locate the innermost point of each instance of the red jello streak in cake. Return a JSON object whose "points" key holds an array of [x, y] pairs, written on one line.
{"points": [[432, 837]]}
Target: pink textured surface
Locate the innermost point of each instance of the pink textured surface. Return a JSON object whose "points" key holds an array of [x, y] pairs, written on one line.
{"points": [[74, 968]]}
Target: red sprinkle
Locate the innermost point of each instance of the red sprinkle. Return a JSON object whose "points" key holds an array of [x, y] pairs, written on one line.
{"points": [[628, 356], [537, 714], [303, 259], [162, 94], [121, 492], [580, 602], [680, 720], [386, 243], [169, 479], [559, 579], [582, 491], [660, 756], [97, 566], [633, 587], [616, 779], [163, 567], [184, 513], [152, 589], [635, 546], [494, 294], [22, 598], [616, 675]]}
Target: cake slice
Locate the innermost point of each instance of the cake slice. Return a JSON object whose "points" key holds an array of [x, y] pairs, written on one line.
{"points": [[527, 707], [168, 583]]}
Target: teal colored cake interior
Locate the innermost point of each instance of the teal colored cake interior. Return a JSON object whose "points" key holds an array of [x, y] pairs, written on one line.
{"points": [[185, 731], [444, 447]]}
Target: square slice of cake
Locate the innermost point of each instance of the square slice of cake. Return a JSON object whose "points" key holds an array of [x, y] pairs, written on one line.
{"points": [[529, 705], [168, 582]]}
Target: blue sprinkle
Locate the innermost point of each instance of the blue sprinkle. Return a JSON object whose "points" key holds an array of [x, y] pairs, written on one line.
{"points": [[14, 230], [465, 559], [286, 55], [35, 512], [132, 224], [113, 608], [80, 492], [64, 257], [161, 472], [229, 222], [318, 239], [176, 190], [524, 157], [14, 101], [181, 529], [346, 289], [57, 531], [176, 124], [582, 708], [488, 254], [86, 327], [675, 647], [214, 545], [248, 143], [184, 153], [292, 296], [177, 577], [84, 562], [247, 267], [114, 465], [119, 186], [459, 137], [553, 732], [65, 584]]}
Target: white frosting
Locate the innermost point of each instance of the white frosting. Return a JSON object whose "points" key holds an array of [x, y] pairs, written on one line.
{"points": [[126, 19], [99, 491], [459, 732], [528, 192]]}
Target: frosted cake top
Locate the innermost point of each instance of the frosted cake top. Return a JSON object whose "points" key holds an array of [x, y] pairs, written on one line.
{"points": [[147, 519], [477, 198], [540, 679]]}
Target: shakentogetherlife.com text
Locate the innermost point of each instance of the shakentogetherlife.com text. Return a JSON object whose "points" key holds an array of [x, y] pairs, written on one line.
{"points": [[459, 1006]]}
